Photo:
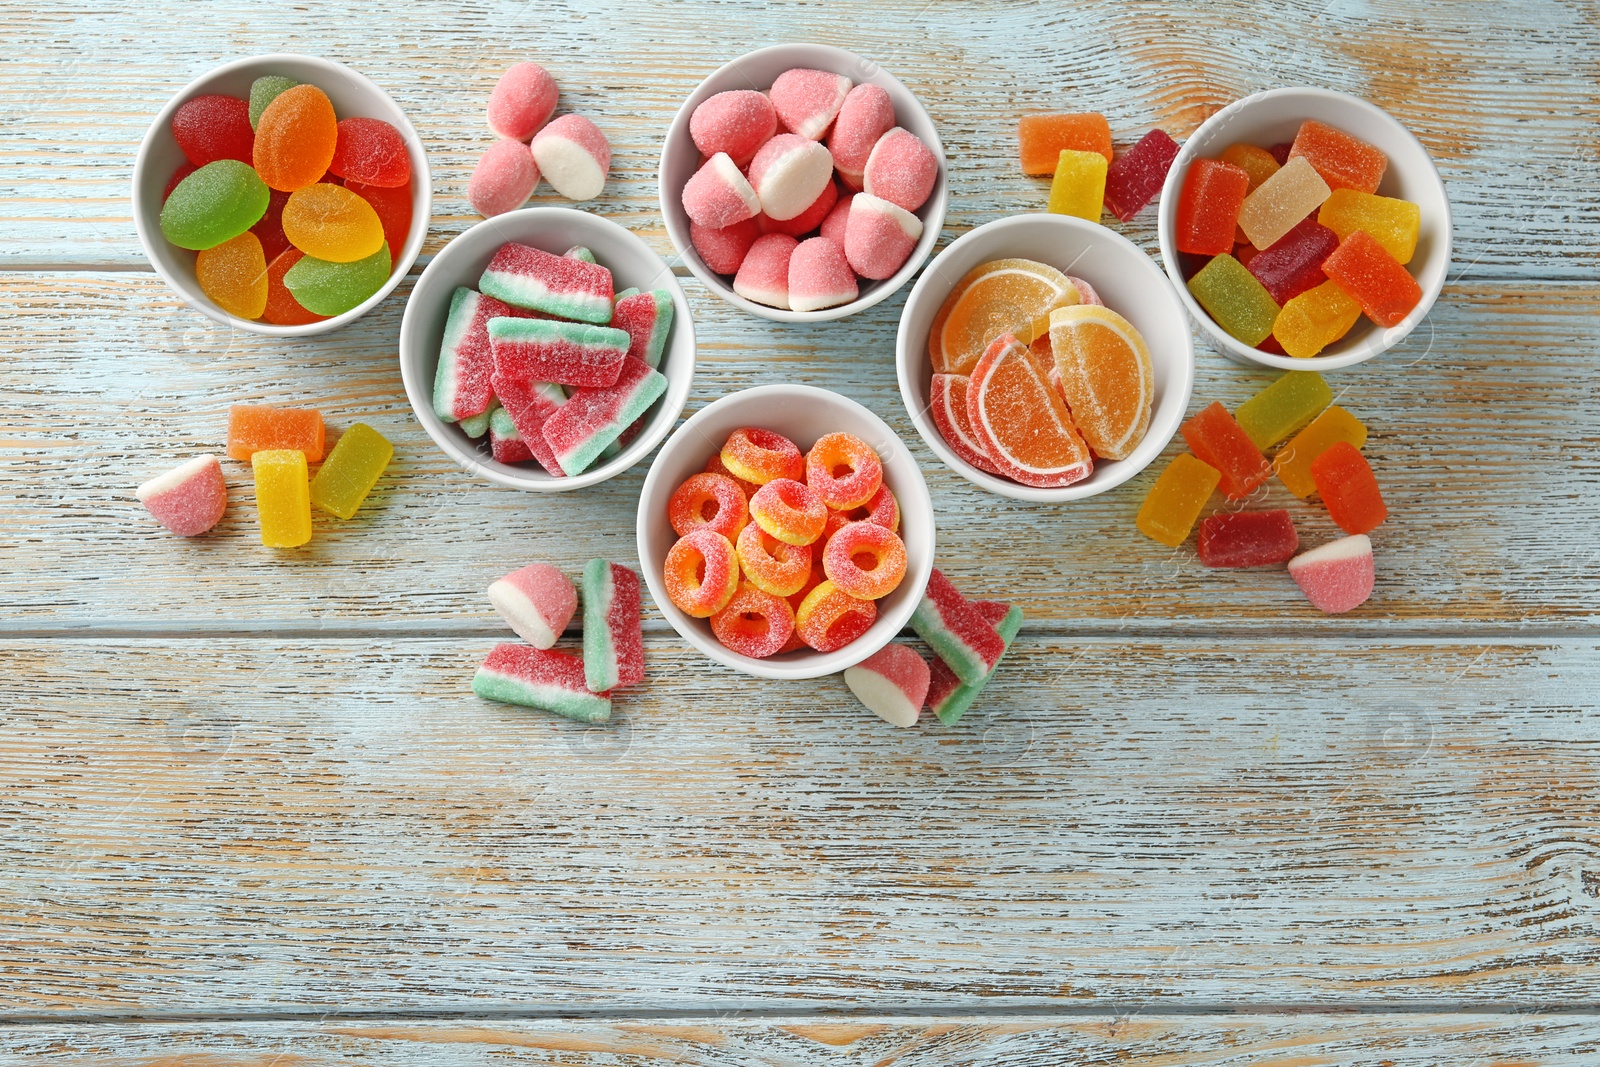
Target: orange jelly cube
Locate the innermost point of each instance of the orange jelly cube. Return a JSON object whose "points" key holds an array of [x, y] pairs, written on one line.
{"points": [[1217, 440], [1043, 137], [1385, 290], [1348, 488], [1208, 207], [256, 428], [1345, 162]]}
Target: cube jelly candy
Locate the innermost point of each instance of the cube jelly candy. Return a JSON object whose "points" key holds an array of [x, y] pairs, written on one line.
{"points": [[1294, 264], [1079, 187], [1136, 176], [1315, 319], [1283, 407], [1247, 539], [283, 497], [1233, 297], [1176, 499], [1394, 224], [1208, 207], [1292, 464], [1042, 139], [351, 470], [1386, 290], [1345, 162], [1280, 202], [1216, 439], [254, 428], [1349, 489]]}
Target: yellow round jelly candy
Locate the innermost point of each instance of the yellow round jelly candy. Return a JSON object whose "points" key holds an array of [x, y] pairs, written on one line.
{"points": [[234, 275], [330, 222]]}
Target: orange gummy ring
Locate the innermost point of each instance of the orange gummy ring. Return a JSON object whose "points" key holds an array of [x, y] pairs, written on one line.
{"points": [[771, 565], [714, 501], [789, 510], [865, 560], [759, 456], [843, 470], [829, 618], [701, 573], [754, 623]]}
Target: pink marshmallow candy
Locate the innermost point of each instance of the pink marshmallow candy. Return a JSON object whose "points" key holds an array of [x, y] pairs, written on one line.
{"points": [[788, 174], [901, 169], [537, 602], [764, 275], [189, 499], [1337, 576], [879, 236], [807, 220], [892, 683], [867, 115], [718, 195], [833, 226], [819, 276], [722, 250], [736, 123], [573, 156], [807, 101], [503, 179], [523, 101]]}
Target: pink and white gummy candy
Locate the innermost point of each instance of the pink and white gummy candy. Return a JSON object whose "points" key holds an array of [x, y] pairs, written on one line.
{"points": [[735, 123], [537, 602], [573, 156], [879, 236], [1338, 576], [503, 179], [901, 169], [892, 683], [764, 275], [788, 174], [819, 276], [723, 249], [523, 100], [807, 101], [867, 114], [719, 195], [189, 499]]}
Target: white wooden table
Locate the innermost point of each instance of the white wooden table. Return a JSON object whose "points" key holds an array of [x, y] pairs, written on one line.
{"points": [[252, 814]]}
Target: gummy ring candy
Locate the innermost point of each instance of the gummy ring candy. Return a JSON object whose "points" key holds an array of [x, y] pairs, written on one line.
{"points": [[771, 565], [754, 623], [714, 501], [714, 465], [843, 470], [701, 572], [789, 511], [829, 618], [865, 560], [882, 509], [759, 456]]}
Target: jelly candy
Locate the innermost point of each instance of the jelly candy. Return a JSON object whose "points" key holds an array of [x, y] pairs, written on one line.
{"points": [[754, 623], [283, 497], [820, 276], [332, 223], [1255, 161], [269, 228], [506, 443], [263, 91], [773, 565], [718, 195], [955, 631], [1280, 151], [1386, 291], [334, 288], [647, 319], [583, 255], [1348, 488], [234, 276], [477, 425], [1283, 407], [189, 499], [949, 697], [549, 350], [1021, 421], [1105, 377], [593, 418], [1235, 299], [282, 309], [837, 223], [789, 510], [1217, 440], [1042, 139], [866, 115], [613, 636], [1294, 264], [948, 402], [213, 127], [788, 173], [807, 220], [461, 386], [735, 123], [724, 249], [529, 406], [1394, 224], [543, 678], [701, 573], [1136, 176], [393, 207], [764, 275], [351, 470], [759, 456], [522, 101], [892, 683], [713, 500], [530, 277], [901, 169], [807, 101], [573, 156], [829, 618], [1282, 201], [295, 138], [216, 203], [1345, 162], [255, 428], [372, 152], [1176, 500], [537, 601], [1002, 296], [1315, 319], [1247, 539], [879, 236], [1208, 207], [1079, 187], [1338, 576], [865, 560], [1292, 464], [843, 470]]}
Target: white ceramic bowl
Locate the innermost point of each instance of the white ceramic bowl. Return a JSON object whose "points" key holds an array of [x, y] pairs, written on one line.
{"points": [[159, 156], [801, 413], [1273, 117], [757, 70], [462, 262], [1129, 282]]}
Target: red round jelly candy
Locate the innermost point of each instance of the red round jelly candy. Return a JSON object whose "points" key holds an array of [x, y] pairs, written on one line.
{"points": [[209, 128], [372, 152]]}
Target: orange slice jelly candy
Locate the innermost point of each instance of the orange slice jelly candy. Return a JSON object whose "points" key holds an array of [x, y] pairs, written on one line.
{"points": [[1003, 296], [1105, 377], [1021, 421]]}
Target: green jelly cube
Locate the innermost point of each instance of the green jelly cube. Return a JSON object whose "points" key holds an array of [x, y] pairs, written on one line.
{"points": [[1283, 407], [1232, 296], [350, 471]]}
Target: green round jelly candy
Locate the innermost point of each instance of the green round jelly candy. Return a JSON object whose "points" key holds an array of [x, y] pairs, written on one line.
{"points": [[263, 91], [324, 288], [216, 203]]}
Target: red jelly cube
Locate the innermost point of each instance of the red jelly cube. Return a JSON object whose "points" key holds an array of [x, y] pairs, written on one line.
{"points": [[1247, 539], [1348, 488], [1364, 268], [1215, 438], [1294, 262], [1345, 162], [1208, 207], [1136, 176]]}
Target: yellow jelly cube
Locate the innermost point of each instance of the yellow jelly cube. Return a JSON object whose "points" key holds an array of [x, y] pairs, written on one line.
{"points": [[350, 471], [1315, 319], [1079, 187], [1292, 464], [1175, 501], [283, 497], [1254, 160], [1394, 223]]}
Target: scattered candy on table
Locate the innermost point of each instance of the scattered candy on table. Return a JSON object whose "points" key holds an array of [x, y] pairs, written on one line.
{"points": [[954, 629], [1247, 538], [569, 152], [189, 499], [892, 683], [537, 601], [254, 427], [1338, 576], [948, 696], [351, 470], [283, 497], [548, 679]]}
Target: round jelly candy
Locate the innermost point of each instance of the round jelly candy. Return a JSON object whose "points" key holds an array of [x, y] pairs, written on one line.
{"points": [[843, 470], [773, 565], [789, 511], [263, 91], [393, 207], [372, 152], [754, 623], [219, 201], [829, 618], [234, 275], [701, 573], [714, 501], [295, 138], [331, 223], [334, 288], [865, 560], [282, 308], [759, 456], [209, 128]]}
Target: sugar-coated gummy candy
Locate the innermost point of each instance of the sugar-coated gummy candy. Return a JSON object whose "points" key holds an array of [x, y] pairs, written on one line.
{"points": [[1338, 576], [829, 618], [754, 623], [394, 208], [269, 228], [477, 425], [1293, 462], [1283, 407], [543, 678], [1021, 421], [255, 428], [592, 418], [1079, 186], [735, 123], [892, 683], [212, 127], [759, 456], [283, 497], [550, 350], [820, 276], [901, 169], [1105, 376], [1234, 298], [613, 635], [216, 203], [522, 101], [1316, 318], [1254, 160], [837, 222], [506, 443], [537, 601], [573, 156], [879, 236], [723, 249], [1294, 264], [1217, 440], [764, 275], [807, 101], [882, 509], [461, 381], [647, 320], [233, 275], [1247, 539], [263, 91], [865, 560], [372, 152], [332, 223], [358, 459], [1345, 162], [955, 631], [295, 138], [788, 174], [843, 470], [1208, 207], [789, 510], [701, 573], [775, 566], [189, 499], [334, 288], [1001, 296], [718, 195], [1042, 138], [1348, 488], [1176, 499], [866, 115], [1363, 268], [282, 309], [947, 400], [710, 500], [532, 278], [1294, 192], [1394, 224], [807, 220], [950, 698], [529, 406], [1135, 177]]}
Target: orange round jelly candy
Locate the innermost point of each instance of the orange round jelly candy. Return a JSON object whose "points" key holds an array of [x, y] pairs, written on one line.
{"points": [[701, 573], [332, 223], [829, 618], [295, 138], [760, 456], [714, 501], [282, 308], [843, 470], [234, 275], [754, 623], [865, 560], [772, 565], [789, 511]]}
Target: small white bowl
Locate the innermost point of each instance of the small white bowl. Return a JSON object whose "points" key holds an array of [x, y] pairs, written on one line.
{"points": [[801, 413], [353, 95], [555, 229], [757, 70], [1273, 117], [1129, 282]]}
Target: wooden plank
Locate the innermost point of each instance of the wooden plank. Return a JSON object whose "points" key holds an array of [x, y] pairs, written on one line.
{"points": [[1492, 499], [337, 825]]}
